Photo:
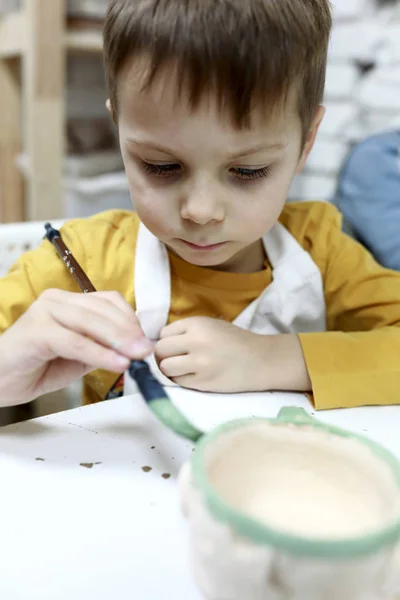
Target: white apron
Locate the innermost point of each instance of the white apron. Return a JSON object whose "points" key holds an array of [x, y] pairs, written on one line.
{"points": [[294, 302]]}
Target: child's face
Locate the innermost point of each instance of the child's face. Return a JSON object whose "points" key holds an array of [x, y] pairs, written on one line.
{"points": [[206, 189]]}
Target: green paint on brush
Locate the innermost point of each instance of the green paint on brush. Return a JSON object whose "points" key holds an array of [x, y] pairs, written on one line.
{"points": [[166, 412]]}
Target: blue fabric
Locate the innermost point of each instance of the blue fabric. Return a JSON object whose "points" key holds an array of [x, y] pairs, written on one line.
{"points": [[368, 196]]}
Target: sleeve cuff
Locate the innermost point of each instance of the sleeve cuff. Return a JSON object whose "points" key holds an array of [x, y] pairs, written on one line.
{"points": [[353, 369]]}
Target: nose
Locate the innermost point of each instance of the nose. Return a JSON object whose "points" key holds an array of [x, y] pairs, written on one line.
{"points": [[202, 204]]}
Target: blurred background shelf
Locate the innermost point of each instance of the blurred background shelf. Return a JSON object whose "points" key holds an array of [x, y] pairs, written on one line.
{"points": [[83, 37], [36, 37], [80, 36]]}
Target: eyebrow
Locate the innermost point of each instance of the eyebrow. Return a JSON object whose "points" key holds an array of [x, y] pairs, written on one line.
{"points": [[258, 148], [239, 154]]}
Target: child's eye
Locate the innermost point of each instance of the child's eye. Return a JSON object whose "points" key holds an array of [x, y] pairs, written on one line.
{"points": [[161, 170], [246, 174]]}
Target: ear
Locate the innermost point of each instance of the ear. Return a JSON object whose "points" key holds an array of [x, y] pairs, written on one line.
{"points": [[111, 110], [312, 133]]}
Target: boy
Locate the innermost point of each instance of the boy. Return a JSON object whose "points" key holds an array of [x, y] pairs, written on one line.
{"points": [[217, 106]]}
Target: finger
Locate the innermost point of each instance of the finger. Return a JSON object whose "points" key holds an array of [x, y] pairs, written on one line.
{"points": [[176, 328], [192, 382], [110, 304], [171, 346], [188, 381], [72, 346], [124, 337], [60, 374], [117, 300], [177, 366]]}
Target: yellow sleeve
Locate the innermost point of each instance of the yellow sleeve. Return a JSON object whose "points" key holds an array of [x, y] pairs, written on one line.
{"points": [[357, 362], [104, 246], [34, 272]]}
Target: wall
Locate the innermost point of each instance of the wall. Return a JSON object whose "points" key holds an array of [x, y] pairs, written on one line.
{"points": [[362, 89]]}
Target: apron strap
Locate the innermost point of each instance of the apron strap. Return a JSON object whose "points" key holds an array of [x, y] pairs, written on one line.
{"points": [[152, 283]]}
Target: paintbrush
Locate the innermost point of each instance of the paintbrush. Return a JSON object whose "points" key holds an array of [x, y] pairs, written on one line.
{"points": [[150, 388]]}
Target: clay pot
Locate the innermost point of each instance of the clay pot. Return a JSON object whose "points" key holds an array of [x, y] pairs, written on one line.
{"points": [[292, 509]]}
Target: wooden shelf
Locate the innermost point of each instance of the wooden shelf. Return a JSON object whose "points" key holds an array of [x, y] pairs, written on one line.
{"points": [[13, 35], [78, 37], [34, 43], [83, 40]]}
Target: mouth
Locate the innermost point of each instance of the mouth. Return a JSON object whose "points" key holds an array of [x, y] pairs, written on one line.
{"points": [[203, 247]]}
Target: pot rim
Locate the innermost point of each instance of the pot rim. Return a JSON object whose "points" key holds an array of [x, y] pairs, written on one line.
{"points": [[259, 533]]}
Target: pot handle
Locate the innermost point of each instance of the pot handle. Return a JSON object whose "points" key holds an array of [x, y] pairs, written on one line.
{"points": [[296, 415]]}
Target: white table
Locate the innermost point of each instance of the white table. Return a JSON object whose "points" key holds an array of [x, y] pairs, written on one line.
{"points": [[112, 530]]}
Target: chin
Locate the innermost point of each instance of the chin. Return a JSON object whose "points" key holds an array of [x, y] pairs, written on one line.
{"points": [[206, 259]]}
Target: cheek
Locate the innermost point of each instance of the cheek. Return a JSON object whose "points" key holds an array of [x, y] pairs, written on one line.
{"points": [[152, 206], [263, 208], [148, 203], [152, 218]]}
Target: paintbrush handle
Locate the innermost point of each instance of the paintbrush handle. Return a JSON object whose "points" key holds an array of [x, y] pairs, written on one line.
{"points": [[54, 236], [140, 371]]}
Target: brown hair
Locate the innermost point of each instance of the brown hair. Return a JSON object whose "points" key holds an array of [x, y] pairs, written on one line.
{"points": [[245, 52]]}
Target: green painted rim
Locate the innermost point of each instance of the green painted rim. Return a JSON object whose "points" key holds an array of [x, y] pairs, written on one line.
{"points": [[249, 528]]}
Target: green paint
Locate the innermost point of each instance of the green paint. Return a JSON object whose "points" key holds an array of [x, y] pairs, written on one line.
{"points": [[166, 412]]}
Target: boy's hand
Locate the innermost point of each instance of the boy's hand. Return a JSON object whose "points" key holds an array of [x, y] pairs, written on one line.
{"points": [[63, 336], [215, 356]]}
